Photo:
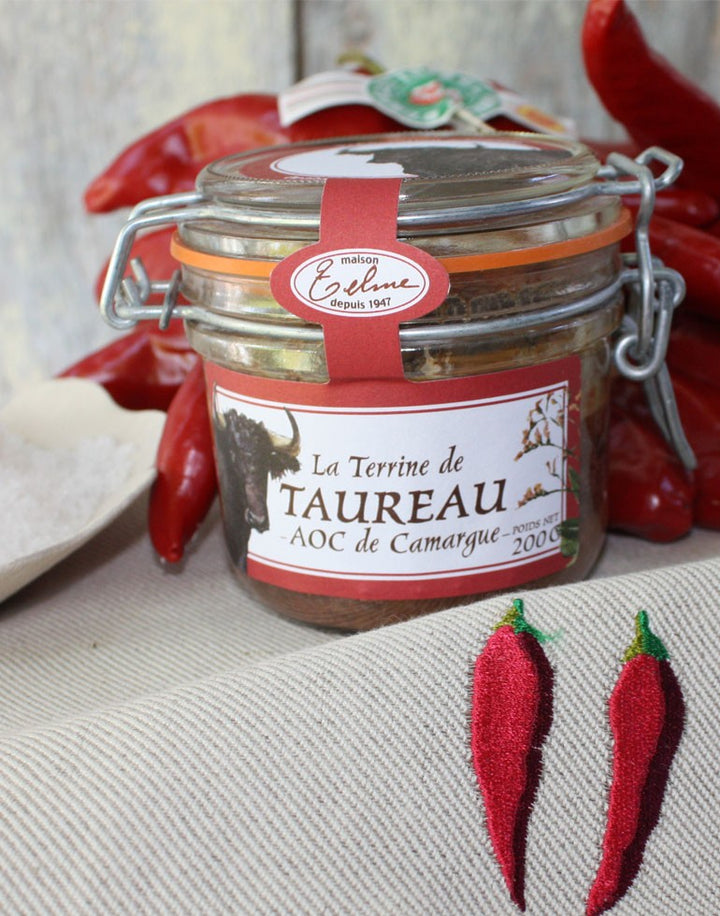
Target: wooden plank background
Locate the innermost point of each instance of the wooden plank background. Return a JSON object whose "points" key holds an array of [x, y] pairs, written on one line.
{"points": [[83, 78]]}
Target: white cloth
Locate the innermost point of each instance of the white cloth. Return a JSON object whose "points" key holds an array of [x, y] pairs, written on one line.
{"points": [[168, 747]]}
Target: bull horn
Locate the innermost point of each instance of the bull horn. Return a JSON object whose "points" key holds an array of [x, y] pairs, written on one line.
{"points": [[290, 446]]}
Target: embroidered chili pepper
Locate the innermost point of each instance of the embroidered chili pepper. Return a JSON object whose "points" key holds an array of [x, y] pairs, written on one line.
{"points": [[185, 486], [141, 370], [168, 159], [511, 716], [646, 711], [650, 494], [655, 103]]}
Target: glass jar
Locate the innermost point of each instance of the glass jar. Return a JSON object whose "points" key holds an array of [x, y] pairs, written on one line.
{"points": [[360, 490]]}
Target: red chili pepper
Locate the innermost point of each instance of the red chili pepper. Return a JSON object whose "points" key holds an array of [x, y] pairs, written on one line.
{"points": [[186, 485], [694, 347], [646, 717], [511, 716], [713, 228], [686, 205], [650, 494], [168, 159], [692, 208], [603, 148], [141, 370], [699, 408], [696, 255], [342, 121], [706, 509], [655, 103]]}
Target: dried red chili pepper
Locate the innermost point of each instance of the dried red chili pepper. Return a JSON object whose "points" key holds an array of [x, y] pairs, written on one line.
{"points": [[699, 408], [713, 228], [511, 716], [646, 718], [706, 508], [141, 370], [696, 255], [342, 121], [603, 148], [650, 494], [168, 159], [694, 347], [186, 485], [692, 208], [655, 103]]}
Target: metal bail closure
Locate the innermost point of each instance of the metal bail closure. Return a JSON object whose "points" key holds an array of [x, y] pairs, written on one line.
{"points": [[654, 292], [646, 363]]}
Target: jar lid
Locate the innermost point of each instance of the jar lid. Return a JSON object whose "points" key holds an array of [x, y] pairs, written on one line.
{"points": [[444, 176]]}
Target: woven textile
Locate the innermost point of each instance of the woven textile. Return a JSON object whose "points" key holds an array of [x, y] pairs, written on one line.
{"points": [[238, 763]]}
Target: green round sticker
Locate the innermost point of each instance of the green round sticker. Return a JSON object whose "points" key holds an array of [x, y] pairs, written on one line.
{"points": [[423, 98]]}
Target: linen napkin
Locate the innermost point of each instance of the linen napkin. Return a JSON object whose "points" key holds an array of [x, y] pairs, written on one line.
{"points": [[246, 764]]}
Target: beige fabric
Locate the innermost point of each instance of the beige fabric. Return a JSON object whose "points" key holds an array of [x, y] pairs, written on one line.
{"points": [[167, 747]]}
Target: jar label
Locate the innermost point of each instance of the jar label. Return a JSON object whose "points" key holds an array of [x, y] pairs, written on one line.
{"points": [[400, 490]]}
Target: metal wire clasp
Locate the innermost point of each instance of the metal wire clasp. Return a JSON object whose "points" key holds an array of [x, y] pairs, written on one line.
{"points": [[644, 362], [124, 299], [653, 292]]}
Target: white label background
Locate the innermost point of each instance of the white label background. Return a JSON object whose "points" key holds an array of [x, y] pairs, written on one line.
{"points": [[487, 435]]}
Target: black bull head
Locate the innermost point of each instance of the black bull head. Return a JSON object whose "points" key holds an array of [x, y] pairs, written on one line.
{"points": [[247, 454]]}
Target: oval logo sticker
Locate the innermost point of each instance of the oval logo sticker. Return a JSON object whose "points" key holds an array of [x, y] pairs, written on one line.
{"points": [[359, 281]]}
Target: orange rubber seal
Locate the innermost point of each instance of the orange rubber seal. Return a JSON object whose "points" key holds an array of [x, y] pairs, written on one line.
{"points": [[492, 260]]}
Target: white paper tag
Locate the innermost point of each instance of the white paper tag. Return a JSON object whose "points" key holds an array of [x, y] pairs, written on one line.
{"points": [[323, 90], [417, 97]]}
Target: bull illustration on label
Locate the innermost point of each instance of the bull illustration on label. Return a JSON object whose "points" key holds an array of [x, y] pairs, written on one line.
{"points": [[247, 455]]}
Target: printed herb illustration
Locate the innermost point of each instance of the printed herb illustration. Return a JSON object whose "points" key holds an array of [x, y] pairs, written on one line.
{"points": [[545, 429], [511, 715], [646, 711]]}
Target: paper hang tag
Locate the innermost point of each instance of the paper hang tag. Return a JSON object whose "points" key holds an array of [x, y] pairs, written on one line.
{"points": [[423, 98], [417, 97], [525, 114], [359, 282], [322, 90]]}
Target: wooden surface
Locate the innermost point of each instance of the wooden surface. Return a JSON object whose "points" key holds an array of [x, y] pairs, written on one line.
{"points": [[83, 78]]}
